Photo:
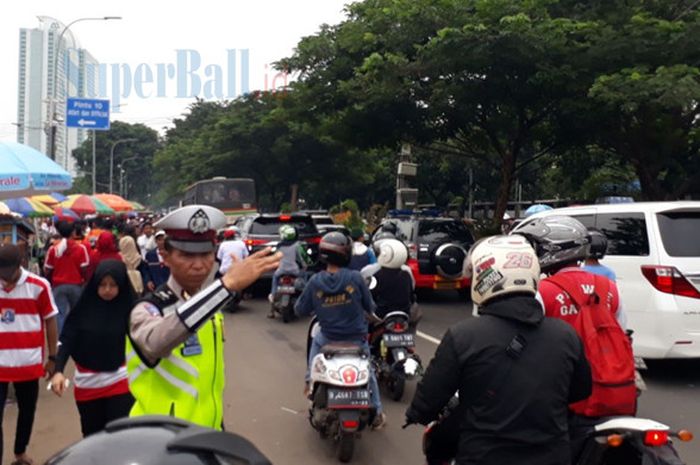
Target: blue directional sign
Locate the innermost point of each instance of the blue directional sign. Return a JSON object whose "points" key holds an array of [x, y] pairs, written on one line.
{"points": [[87, 113]]}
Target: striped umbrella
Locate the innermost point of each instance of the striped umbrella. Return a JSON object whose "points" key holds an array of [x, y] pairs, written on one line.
{"points": [[116, 202], [137, 206], [54, 198], [66, 214], [28, 208], [86, 205]]}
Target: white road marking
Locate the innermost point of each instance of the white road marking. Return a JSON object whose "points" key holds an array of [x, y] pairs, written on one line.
{"points": [[288, 410], [428, 337]]}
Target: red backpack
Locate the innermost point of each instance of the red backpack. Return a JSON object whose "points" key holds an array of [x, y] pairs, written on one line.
{"points": [[607, 349]]}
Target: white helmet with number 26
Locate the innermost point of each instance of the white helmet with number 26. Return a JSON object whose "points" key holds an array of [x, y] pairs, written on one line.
{"points": [[500, 265]]}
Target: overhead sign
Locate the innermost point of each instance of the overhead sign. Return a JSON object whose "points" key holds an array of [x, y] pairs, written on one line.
{"points": [[87, 113]]}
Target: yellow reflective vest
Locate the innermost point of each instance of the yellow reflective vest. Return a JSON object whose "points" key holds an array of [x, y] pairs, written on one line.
{"points": [[188, 383]]}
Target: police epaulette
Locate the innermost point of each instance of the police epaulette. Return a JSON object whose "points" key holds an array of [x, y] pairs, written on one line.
{"points": [[162, 297]]}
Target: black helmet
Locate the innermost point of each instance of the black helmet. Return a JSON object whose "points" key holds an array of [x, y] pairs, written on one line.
{"points": [[335, 248], [599, 244], [155, 440], [558, 240]]}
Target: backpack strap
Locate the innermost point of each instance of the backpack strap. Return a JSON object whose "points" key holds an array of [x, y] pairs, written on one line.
{"points": [[513, 351]]}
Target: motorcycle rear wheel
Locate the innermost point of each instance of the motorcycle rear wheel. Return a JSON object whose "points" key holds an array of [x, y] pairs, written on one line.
{"points": [[396, 385], [345, 448]]}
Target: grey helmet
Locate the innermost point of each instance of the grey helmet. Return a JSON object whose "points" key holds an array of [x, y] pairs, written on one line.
{"points": [[599, 244], [558, 240], [155, 440]]}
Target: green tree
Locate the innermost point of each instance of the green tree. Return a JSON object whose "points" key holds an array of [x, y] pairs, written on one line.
{"points": [[139, 167]]}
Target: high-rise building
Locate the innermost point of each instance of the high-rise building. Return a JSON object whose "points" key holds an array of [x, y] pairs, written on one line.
{"points": [[75, 76]]}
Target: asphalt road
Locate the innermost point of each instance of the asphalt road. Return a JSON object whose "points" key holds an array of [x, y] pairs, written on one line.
{"points": [[264, 402]]}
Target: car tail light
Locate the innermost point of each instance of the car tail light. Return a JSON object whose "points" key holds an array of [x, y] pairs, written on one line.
{"points": [[669, 280], [412, 251], [351, 424], [655, 438], [349, 375], [285, 217], [254, 242], [314, 240]]}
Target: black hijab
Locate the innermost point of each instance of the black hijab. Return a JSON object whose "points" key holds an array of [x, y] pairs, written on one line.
{"points": [[95, 330]]}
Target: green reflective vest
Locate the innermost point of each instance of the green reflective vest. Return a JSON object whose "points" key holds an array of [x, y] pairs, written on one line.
{"points": [[188, 383]]}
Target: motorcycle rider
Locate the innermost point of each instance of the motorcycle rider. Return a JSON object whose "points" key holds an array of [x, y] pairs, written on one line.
{"points": [[394, 285], [342, 303], [361, 254], [515, 371], [563, 243], [294, 261], [599, 247]]}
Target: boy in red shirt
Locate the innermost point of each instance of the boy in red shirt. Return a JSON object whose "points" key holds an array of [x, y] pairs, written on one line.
{"points": [[27, 317], [66, 267]]}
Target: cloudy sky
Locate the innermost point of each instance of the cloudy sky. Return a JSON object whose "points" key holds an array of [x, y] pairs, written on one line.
{"points": [[150, 55]]}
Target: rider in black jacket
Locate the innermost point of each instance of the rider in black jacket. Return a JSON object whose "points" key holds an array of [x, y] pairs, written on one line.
{"points": [[515, 371]]}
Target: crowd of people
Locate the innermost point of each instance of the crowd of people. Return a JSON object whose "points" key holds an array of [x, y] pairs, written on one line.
{"points": [[137, 308]]}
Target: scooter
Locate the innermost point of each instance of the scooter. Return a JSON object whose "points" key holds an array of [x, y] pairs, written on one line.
{"points": [[289, 288], [393, 351], [612, 441], [340, 397]]}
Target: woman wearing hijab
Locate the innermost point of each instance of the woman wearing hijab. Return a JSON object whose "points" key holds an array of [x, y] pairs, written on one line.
{"points": [[105, 249], [132, 257], [94, 336]]}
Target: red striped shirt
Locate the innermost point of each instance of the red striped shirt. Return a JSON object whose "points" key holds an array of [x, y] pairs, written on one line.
{"points": [[23, 310], [91, 385]]}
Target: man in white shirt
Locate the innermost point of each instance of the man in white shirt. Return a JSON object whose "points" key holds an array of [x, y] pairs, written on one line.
{"points": [[231, 246], [146, 241]]}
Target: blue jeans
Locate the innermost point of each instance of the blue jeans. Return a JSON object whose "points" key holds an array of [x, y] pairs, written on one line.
{"points": [[320, 340], [66, 296]]}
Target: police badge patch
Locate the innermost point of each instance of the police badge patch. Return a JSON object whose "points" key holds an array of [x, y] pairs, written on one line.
{"points": [[199, 222]]}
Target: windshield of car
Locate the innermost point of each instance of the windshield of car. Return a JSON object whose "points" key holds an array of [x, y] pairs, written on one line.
{"points": [[443, 231], [271, 226], [679, 233]]}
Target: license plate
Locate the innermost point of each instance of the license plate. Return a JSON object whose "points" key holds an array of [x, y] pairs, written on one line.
{"points": [[444, 284], [399, 340], [348, 397], [285, 289]]}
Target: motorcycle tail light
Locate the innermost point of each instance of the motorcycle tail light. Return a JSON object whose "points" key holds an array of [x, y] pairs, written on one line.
{"points": [[399, 327], [685, 435], [351, 424], [655, 438], [287, 280]]}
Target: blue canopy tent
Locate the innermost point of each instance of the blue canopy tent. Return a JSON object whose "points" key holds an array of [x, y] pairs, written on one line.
{"points": [[25, 171]]}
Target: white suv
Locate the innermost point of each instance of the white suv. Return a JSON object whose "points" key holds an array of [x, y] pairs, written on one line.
{"points": [[654, 248]]}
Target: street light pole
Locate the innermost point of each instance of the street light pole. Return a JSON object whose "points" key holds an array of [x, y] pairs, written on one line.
{"points": [[121, 174], [111, 159], [51, 124]]}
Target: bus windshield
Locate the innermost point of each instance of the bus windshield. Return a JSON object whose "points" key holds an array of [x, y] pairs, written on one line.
{"points": [[226, 194]]}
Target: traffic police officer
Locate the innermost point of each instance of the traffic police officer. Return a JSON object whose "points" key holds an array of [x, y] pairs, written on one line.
{"points": [[175, 356]]}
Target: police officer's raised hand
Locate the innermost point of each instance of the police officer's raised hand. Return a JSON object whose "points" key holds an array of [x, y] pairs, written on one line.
{"points": [[243, 273]]}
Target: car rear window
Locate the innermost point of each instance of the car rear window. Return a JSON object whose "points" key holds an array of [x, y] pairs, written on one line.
{"points": [[443, 231], [626, 233], [679, 233], [324, 220], [271, 226]]}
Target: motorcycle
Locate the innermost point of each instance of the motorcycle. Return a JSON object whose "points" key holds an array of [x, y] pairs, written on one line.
{"points": [[289, 288], [617, 440], [340, 397], [393, 353]]}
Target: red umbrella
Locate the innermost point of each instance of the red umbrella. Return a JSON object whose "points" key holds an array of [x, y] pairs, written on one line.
{"points": [[64, 214]]}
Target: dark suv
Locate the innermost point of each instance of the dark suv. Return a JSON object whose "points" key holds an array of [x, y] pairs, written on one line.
{"points": [[437, 248], [262, 230]]}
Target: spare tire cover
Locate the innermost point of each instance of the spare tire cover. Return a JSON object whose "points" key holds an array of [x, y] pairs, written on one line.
{"points": [[449, 260]]}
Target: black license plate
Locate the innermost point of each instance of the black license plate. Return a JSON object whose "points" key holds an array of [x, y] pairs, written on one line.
{"points": [[348, 397], [399, 340]]}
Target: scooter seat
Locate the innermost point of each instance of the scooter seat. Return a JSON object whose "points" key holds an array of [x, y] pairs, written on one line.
{"points": [[330, 350]]}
